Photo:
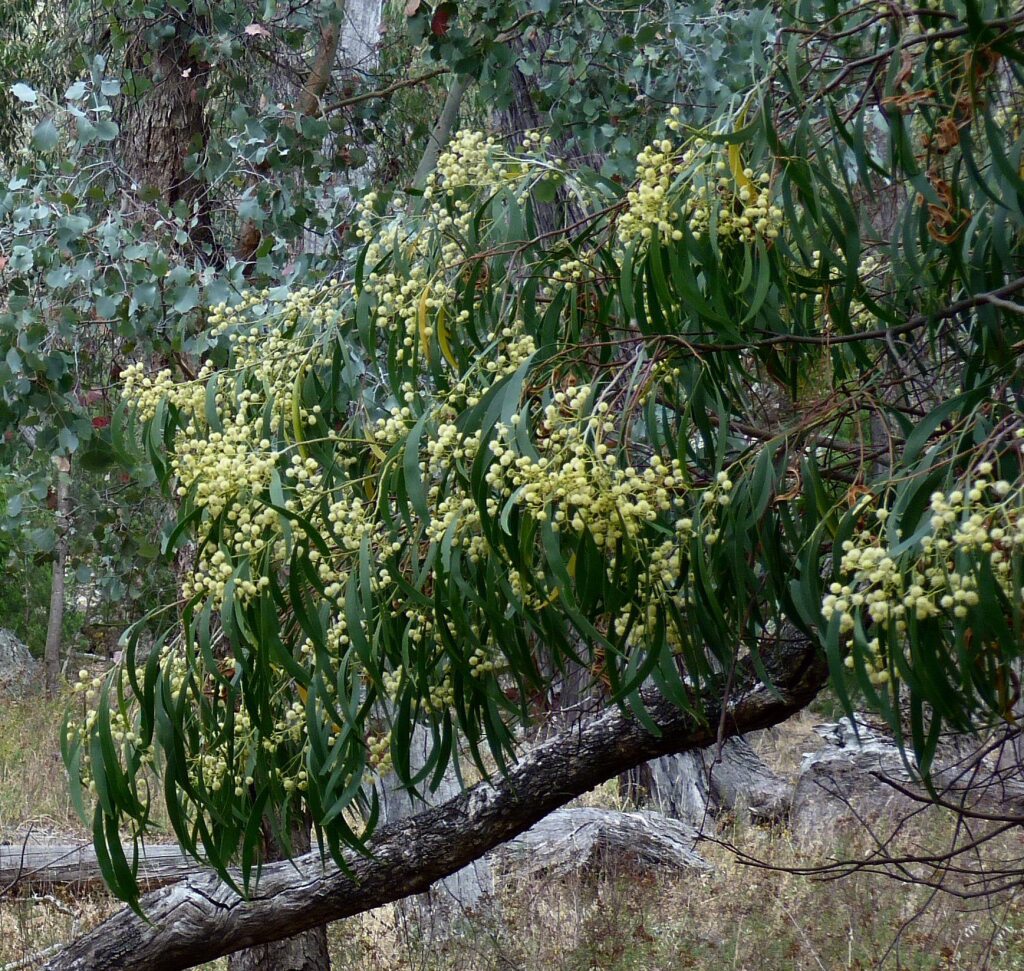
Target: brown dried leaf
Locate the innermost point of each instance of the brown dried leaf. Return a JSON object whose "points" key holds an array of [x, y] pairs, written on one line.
{"points": [[949, 134]]}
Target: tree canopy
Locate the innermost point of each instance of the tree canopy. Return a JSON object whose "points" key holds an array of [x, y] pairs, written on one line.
{"points": [[702, 361]]}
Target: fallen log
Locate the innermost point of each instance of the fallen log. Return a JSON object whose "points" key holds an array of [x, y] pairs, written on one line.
{"points": [[38, 865], [567, 840]]}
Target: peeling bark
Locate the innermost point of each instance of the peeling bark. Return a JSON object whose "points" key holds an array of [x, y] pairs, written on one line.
{"points": [[201, 919]]}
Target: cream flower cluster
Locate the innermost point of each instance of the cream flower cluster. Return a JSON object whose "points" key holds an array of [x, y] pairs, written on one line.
{"points": [[651, 206], [741, 207], [698, 185], [471, 159], [981, 523], [869, 269], [415, 302], [255, 456], [576, 481]]}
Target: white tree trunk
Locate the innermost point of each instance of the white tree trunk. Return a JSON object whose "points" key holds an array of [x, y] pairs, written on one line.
{"points": [[55, 621], [459, 894]]}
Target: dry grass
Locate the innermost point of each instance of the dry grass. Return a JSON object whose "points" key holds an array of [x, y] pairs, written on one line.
{"points": [[33, 784], [734, 917]]}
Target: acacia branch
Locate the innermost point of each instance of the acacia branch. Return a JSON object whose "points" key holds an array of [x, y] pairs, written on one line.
{"points": [[442, 130], [319, 76], [201, 919], [996, 297]]}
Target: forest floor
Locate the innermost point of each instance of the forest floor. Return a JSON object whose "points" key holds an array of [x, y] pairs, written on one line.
{"points": [[735, 916]]}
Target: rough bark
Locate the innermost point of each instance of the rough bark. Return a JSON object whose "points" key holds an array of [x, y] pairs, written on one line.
{"points": [[306, 951], [200, 919], [523, 115], [164, 125], [159, 128], [55, 619]]}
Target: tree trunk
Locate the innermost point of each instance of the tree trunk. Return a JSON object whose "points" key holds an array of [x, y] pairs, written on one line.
{"points": [[201, 919], [442, 130], [307, 102], [306, 951], [523, 115], [675, 785], [574, 839], [165, 124], [435, 911], [55, 621], [696, 786], [741, 783], [356, 55]]}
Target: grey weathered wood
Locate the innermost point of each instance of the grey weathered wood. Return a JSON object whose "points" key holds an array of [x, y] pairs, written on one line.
{"points": [[578, 838], [677, 785], [36, 865], [458, 894], [200, 919], [584, 838], [859, 775], [740, 781], [696, 786]]}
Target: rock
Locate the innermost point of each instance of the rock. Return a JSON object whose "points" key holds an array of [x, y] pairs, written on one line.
{"points": [[853, 779], [18, 669]]}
